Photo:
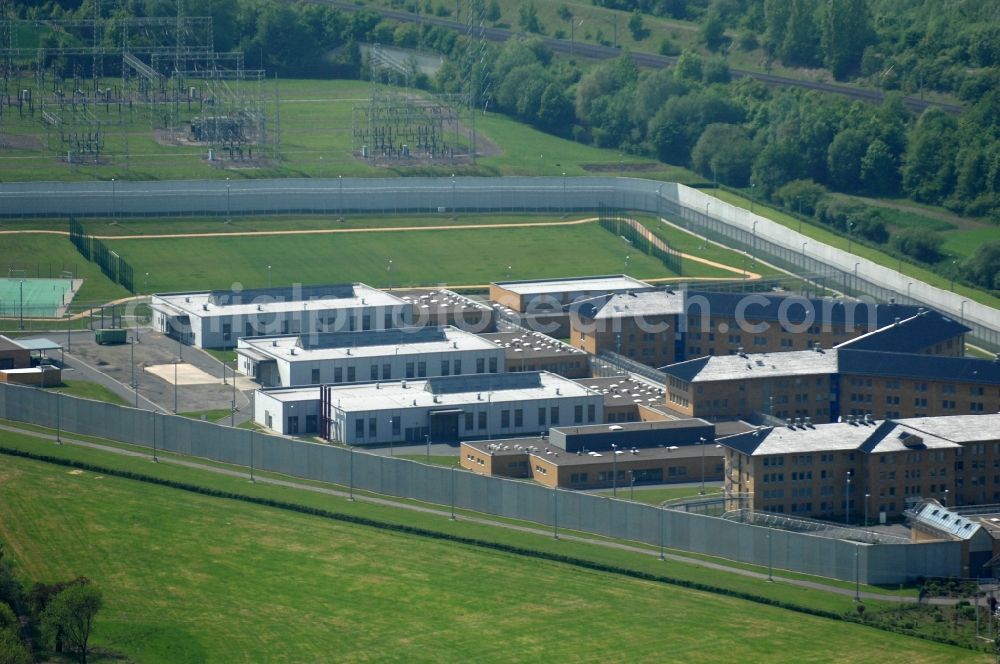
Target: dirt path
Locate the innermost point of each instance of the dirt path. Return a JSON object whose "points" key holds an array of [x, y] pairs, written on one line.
{"points": [[317, 231]]}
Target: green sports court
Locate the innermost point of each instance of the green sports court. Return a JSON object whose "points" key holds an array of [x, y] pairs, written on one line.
{"points": [[35, 298]]}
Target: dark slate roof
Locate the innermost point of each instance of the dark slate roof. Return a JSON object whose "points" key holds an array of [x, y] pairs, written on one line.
{"points": [[909, 335], [918, 367], [790, 308], [768, 306], [686, 370]]}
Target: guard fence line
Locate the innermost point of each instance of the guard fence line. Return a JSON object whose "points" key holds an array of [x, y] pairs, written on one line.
{"points": [[527, 501], [688, 207]]}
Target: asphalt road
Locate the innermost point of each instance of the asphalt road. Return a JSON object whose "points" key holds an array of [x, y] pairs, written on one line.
{"points": [[598, 52]]}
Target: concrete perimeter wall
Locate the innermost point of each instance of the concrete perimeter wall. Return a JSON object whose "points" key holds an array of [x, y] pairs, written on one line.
{"points": [[741, 542], [692, 208]]}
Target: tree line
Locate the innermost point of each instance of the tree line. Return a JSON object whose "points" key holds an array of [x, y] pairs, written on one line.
{"points": [[46, 618]]}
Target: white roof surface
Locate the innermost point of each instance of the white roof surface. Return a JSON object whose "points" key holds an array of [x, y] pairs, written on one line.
{"points": [[606, 283], [193, 304], [453, 340], [393, 395]]}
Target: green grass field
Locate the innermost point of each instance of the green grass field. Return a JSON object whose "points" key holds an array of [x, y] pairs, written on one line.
{"points": [[430, 257], [965, 239], [88, 390], [188, 578], [658, 495], [316, 117]]}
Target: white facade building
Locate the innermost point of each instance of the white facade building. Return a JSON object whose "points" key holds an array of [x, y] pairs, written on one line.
{"points": [[444, 409], [350, 357], [216, 319]]}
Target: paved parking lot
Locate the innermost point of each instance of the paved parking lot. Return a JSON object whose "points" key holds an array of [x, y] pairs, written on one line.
{"points": [[199, 385]]}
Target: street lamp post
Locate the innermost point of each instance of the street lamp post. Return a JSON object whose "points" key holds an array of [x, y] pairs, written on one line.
{"points": [[867, 496], [847, 499], [154, 436], [555, 512], [961, 311], [631, 492], [753, 244], [229, 216], [176, 362], [850, 238], [565, 201], [857, 572], [452, 478], [58, 417], [908, 285], [388, 270], [770, 567], [350, 484], [701, 444], [114, 203], [614, 470], [268, 276], [427, 440], [753, 186], [232, 419], [20, 308], [662, 557], [944, 502], [135, 385]]}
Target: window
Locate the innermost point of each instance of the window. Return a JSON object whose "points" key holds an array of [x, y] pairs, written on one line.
{"points": [[338, 375], [315, 376], [366, 322], [554, 415], [397, 421], [351, 377], [480, 365], [293, 424], [421, 369], [504, 419], [386, 371], [359, 428], [577, 414], [457, 367], [541, 417], [373, 370], [493, 365], [591, 413], [518, 417], [469, 421], [409, 370], [445, 368], [372, 427], [482, 421]]}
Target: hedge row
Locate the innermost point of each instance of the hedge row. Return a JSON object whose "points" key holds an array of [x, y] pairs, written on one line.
{"points": [[468, 541]]}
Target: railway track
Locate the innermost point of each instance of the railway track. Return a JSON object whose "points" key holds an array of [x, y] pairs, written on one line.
{"points": [[649, 60]]}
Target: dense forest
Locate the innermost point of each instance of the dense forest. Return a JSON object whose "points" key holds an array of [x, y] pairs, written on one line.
{"points": [[788, 145]]}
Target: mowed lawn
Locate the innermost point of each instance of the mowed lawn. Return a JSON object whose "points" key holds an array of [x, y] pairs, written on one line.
{"points": [[428, 257], [189, 578]]}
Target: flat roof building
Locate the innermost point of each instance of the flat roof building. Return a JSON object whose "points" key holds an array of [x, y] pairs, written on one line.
{"points": [[216, 319], [13, 355], [600, 456], [349, 357], [539, 304], [442, 409], [438, 307], [628, 399], [865, 466], [534, 351]]}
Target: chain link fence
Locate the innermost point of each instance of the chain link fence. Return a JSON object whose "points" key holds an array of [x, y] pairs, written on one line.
{"points": [[690, 208]]}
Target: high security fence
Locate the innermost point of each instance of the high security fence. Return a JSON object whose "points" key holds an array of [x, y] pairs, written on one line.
{"points": [[695, 210], [839, 559]]}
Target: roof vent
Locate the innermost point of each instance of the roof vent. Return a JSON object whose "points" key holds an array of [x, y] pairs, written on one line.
{"points": [[348, 351], [403, 384], [377, 386], [896, 322], [204, 307], [260, 307], [274, 343], [291, 350], [791, 424], [187, 298]]}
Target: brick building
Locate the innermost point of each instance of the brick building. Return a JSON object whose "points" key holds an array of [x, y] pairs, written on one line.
{"points": [[602, 456], [660, 327], [865, 466], [823, 385]]}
